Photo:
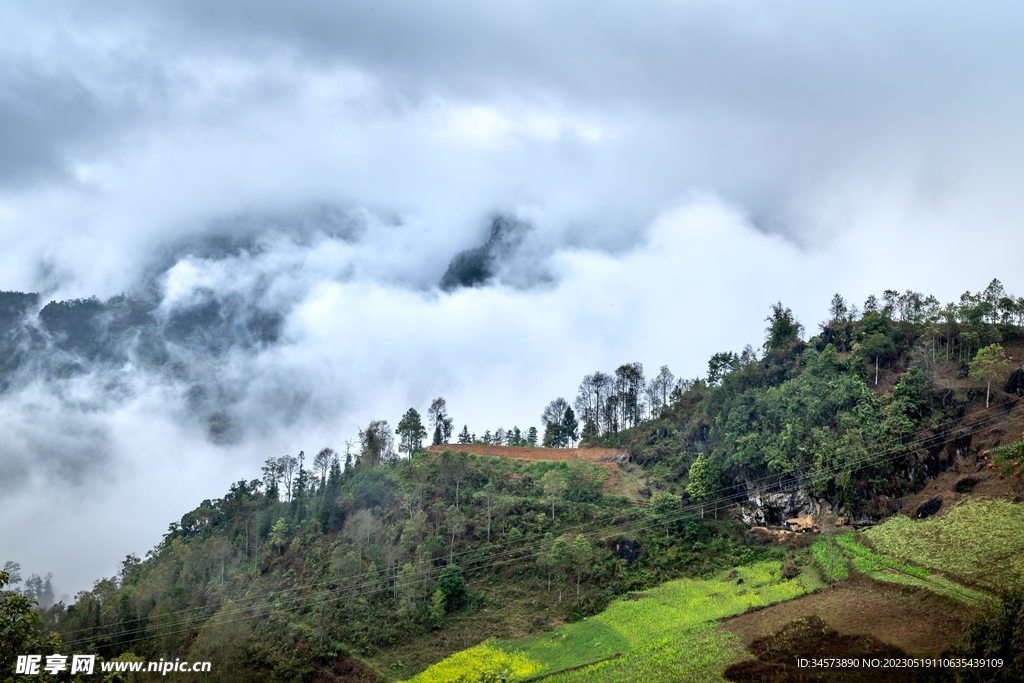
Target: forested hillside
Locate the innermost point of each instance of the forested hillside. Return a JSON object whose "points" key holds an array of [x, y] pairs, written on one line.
{"points": [[371, 564], [859, 414], [398, 563]]}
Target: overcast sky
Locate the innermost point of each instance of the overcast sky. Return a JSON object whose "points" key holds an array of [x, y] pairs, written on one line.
{"points": [[676, 167]]}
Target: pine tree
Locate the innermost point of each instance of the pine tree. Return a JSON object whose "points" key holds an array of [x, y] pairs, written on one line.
{"points": [[552, 435], [436, 609], [704, 479], [570, 428], [464, 437], [783, 328], [410, 430], [279, 534]]}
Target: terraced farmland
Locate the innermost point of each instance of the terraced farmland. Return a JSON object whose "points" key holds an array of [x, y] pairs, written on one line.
{"points": [[976, 543], [669, 633], [673, 632]]}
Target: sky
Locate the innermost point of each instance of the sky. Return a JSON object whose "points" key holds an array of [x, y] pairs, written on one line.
{"points": [[669, 170]]}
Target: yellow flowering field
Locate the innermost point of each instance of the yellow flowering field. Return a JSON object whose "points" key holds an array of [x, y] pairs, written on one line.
{"points": [[668, 629]]}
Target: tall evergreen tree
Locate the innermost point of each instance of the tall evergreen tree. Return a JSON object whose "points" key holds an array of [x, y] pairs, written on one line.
{"points": [[704, 479], [552, 435], [272, 473], [878, 347], [629, 385], [783, 328], [665, 381], [570, 428], [410, 432], [720, 365]]}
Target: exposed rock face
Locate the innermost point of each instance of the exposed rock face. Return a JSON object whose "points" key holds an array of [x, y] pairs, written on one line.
{"points": [[796, 503], [802, 524], [627, 550], [1015, 384], [795, 509], [929, 508], [752, 513]]}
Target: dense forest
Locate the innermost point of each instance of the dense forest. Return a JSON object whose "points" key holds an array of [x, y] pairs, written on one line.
{"points": [[392, 555], [880, 399]]}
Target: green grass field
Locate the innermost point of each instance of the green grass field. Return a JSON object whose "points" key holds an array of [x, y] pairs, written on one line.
{"points": [[867, 562], [697, 654], [668, 633], [968, 555], [978, 543], [835, 556], [940, 586], [830, 559]]}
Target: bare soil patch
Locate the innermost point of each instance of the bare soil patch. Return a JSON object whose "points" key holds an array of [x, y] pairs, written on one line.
{"points": [[986, 485], [810, 638], [597, 455], [783, 537], [623, 479], [347, 670], [916, 622]]}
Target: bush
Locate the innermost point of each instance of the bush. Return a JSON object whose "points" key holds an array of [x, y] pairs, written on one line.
{"points": [[453, 586], [997, 634], [369, 488]]}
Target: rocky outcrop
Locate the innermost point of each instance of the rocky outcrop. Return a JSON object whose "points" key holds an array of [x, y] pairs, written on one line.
{"points": [[802, 524], [795, 509], [929, 508], [1015, 384]]}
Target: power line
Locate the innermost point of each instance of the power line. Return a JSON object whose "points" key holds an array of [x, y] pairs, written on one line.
{"points": [[791, 481], [716, 504]]}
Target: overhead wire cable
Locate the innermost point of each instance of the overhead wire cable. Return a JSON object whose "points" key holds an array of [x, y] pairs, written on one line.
{"points": [[715, 504]]}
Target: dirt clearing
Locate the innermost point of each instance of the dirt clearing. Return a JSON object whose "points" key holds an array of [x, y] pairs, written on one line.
{"points": [[810, 638], [916, 622], [598, 455]]}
